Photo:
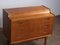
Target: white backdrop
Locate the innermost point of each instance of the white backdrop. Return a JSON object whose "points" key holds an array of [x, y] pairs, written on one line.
{"points": [[52, 4]]}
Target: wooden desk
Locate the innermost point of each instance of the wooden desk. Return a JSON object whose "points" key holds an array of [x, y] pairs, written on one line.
{"points": [[27, 23]]}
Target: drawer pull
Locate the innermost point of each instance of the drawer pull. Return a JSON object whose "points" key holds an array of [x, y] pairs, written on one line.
{"points": [[19, 22]]}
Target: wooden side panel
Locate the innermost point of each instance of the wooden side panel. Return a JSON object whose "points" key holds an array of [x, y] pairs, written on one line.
{"points": [[6, 25]]}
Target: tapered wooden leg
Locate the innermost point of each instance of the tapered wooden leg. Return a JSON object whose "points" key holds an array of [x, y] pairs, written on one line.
{"points": [[8, 43], [45, 40]]}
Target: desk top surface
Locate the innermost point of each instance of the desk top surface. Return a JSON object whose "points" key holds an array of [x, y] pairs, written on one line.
{"points": [[27, 10]]}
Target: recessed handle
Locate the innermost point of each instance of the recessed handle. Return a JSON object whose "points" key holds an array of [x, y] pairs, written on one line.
{"points": [[20, 22]]}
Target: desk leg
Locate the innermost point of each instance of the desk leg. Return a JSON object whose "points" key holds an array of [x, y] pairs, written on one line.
{"points": [[45, 40]]}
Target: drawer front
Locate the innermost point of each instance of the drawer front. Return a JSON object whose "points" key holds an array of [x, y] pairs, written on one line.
{"points": [[28, 29]]}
